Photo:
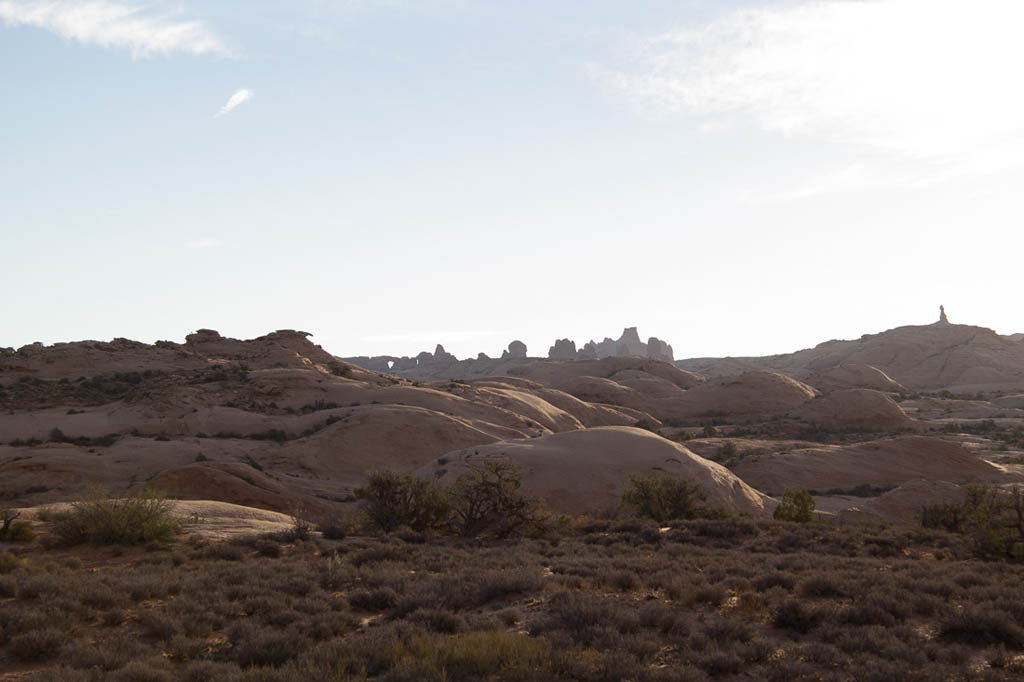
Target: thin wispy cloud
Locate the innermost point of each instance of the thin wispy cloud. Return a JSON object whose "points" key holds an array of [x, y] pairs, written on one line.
{"points": [[117, 25], [240, 97], [927, 80]]}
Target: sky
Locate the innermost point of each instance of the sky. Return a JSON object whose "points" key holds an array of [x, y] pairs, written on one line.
{"points": [[733, 177]]}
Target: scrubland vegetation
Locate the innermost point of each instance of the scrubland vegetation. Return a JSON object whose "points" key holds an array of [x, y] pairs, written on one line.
{"points": [[586, 599]]}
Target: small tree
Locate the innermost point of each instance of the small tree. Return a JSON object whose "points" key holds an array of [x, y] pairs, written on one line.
{"points": [[488, 500], [392, 500], [796, 505], [664, 497]]}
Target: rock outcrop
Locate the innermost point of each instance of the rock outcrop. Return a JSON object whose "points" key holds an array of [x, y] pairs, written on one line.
{"points": [[564, 349], [659, 350], [887, 462], [516, 351]]}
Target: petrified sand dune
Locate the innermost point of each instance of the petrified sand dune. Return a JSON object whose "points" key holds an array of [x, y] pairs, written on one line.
{"points": [[854, 409], [960, 358], [556, 373], [584, 471], [753, 394], [854, 375], [891, 461], [315, 425], [238, 483], [1015, 401], [904, 503]]}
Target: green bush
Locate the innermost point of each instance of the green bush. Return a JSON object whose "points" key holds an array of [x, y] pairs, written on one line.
{"points": [[139, 519], [796, 506], [663, 497], [392, 500], [992, 518]]}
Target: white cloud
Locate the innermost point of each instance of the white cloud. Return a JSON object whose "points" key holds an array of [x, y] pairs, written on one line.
{"points": [[109, 24], [240, 97], [927, 80]]}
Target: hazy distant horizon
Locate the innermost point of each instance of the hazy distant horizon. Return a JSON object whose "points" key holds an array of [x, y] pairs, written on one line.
{"points": [[734, 177], [537, 349]]}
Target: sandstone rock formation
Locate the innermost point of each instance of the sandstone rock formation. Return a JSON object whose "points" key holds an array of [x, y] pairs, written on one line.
{"points": [[854, 375], [516, 351], [955, 357], [750, 396], [214, 416], [659, 350], [891, 461], [584, 471], [853, 409], [564, 349], [904, 503]]}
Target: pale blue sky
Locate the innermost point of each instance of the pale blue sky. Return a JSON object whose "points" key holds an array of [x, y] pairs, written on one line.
{"points": [[733, 177]]}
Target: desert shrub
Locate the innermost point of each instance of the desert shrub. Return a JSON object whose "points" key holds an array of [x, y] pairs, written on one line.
{"points": [[489, 500], [499, 584], [37, 645], [584, 618], [59, 673], [438, 620], [822, 586], [276, 435], [392, 500], [664, 497], [143, 671], [727, 454], [145, 518], [157, 625], [993, 519], [781, 579], [984, 624], [373, 600], [253, 646], [333, 528], [794, 615], [267, 548], [8, 562], [339, 369], [225, 551], [796, 506], [208, 671], [376, 554], [36, 586], [12, 530]]}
